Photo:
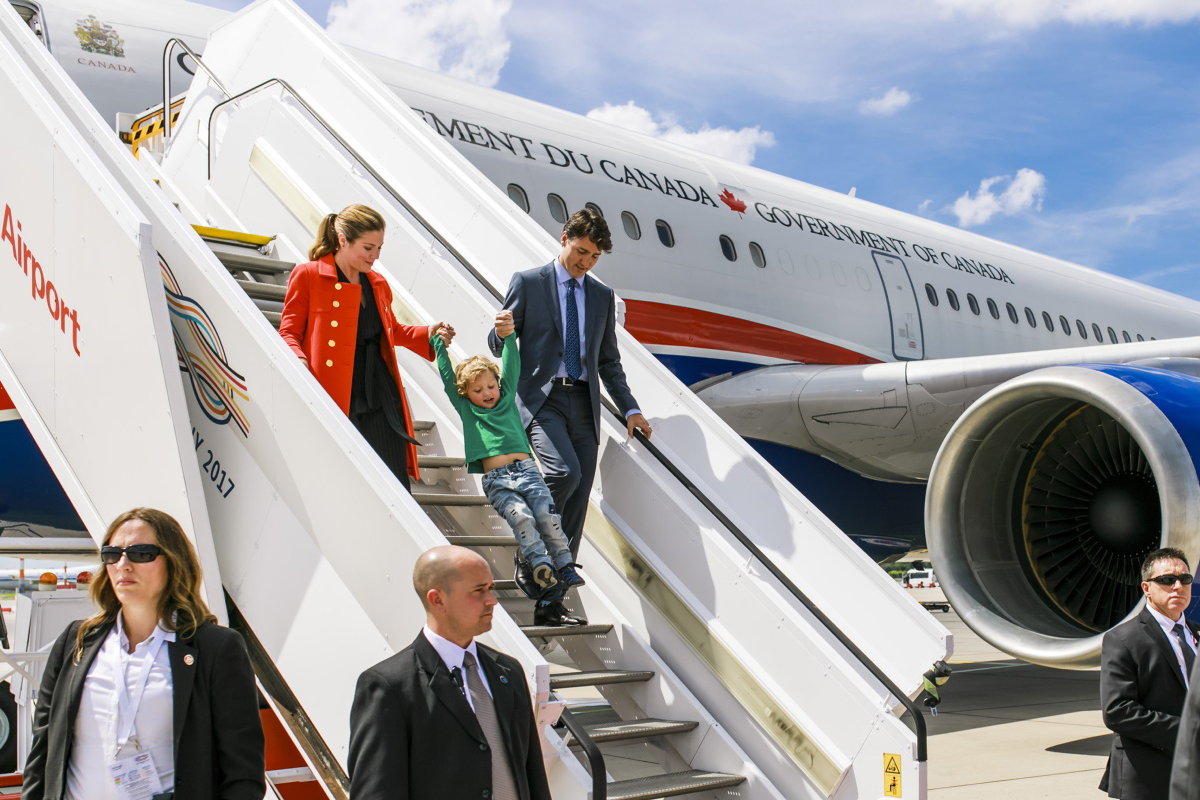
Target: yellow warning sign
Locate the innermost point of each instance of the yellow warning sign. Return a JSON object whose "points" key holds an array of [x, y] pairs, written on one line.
{"points": [[891, 775]]}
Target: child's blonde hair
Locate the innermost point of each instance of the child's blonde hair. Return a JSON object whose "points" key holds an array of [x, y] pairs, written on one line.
{"points": [[470, 369]]}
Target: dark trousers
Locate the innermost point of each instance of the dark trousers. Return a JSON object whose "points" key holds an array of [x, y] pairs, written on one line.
{"points": [[375, 428], [563, 437]]}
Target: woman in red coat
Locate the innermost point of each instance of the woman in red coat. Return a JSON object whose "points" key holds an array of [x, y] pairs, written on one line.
{"points": [[337, 317]]}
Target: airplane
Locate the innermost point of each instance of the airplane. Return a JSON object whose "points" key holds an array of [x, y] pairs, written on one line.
{"points": [[872, 356]]}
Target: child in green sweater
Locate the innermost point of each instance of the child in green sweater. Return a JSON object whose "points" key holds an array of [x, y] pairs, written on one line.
{"points": [[496, 445]]}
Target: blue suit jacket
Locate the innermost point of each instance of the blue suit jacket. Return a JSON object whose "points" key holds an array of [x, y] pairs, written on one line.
{"points": [[533, 299]]}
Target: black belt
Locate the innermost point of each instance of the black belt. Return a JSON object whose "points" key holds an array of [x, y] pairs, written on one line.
{"points": [[567, 383]]}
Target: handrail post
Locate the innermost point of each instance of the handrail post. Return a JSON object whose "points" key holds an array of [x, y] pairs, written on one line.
{"points": [[168, 49], [592, 751]]}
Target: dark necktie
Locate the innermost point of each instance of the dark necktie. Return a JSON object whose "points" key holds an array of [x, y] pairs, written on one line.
{"points": [[503, 787], [1189, 658], [571, 335]]}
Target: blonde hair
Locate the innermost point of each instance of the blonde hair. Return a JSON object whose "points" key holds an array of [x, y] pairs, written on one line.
{"points": [[470, 369], [180, 607], [351, 222]]}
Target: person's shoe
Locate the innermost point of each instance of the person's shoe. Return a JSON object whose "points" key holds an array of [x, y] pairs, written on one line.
{"points": [[570, 577], [523, 575], [555, 615], [543, 576]]}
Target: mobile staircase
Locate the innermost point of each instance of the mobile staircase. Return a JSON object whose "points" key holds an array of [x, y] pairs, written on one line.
{"points": [[741, 670]]}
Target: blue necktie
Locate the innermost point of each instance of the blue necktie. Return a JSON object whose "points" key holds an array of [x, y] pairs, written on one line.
{"points": [[571, 335]]}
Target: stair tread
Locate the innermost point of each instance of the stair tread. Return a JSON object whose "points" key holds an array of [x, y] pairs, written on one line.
{"points": [[423, 424], [482, 541], [263, 291], [598, 677], [447, 499], [671, 784], [615, 730], [549, 631], [434, 462], [253, 263]]}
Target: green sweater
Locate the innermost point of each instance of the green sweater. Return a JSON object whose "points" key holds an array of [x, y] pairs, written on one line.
{"points": [[494, 431]]}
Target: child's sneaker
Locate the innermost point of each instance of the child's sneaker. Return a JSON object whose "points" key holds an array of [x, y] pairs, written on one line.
{"points": [[570, 577], [543, 576]]}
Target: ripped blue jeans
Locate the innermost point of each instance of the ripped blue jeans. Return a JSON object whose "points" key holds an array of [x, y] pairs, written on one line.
{"points": [[520, 496]]}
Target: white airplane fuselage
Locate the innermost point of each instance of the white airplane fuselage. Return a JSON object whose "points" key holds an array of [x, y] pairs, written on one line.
{"points": [[723, 267]]}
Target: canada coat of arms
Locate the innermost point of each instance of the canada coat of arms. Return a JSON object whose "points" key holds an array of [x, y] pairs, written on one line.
{"points": [[98, 37]]}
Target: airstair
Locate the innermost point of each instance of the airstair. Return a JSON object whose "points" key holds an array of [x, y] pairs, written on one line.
{"points": [[735, 667]]}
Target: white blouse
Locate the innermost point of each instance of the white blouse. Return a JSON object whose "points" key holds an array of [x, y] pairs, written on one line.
{"points": [[96, 725]]}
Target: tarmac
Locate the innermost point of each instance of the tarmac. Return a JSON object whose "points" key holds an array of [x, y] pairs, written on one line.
{"points": [[1010, 729]]}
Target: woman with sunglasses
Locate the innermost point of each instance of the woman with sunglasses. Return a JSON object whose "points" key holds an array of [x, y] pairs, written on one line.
{"points": [[150, 693]]}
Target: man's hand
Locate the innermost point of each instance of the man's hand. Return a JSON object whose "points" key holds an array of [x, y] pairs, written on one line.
{"points": [[639, 423], [504, 324], [442, 329]]}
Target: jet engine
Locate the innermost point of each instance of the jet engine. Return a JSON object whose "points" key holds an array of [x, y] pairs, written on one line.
{"points": [[1050, 490]]}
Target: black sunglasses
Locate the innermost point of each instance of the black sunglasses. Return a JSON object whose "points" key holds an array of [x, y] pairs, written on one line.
{"points": [[1169, 580], [138, 553]]}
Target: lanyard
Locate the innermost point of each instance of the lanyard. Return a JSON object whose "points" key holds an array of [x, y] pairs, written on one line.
{"points": [[127, 707]]}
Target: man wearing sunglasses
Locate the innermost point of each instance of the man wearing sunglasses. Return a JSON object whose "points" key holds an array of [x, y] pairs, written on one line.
{"points": [[1145, 665]]}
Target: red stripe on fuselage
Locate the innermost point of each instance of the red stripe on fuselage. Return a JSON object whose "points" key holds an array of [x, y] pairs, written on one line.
{"points": [[6, 402], [659, 323]]}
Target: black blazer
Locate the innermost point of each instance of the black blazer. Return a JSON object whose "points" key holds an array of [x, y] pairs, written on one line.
{"points": [[1141, 696], [413, 735], [533, 299], [1185, 773], [219, 742]]}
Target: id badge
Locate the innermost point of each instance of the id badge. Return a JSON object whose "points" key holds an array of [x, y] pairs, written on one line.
{"points": [[135, 777]]}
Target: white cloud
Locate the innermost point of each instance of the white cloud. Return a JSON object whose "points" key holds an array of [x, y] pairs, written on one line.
{"points": [[464, 39], [739, 145], [890, 102], [1029, 13], [1022, 193]]}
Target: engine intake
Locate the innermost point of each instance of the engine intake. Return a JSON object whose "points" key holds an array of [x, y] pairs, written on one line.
{"points": [[1048, 493]]}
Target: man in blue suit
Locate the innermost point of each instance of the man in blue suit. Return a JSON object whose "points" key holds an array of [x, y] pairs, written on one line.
{"points": [[565, 323]]}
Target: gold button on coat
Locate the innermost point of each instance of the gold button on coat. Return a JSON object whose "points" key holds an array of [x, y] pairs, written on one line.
{"points": [[331, 343], [337, 286], [329, 363], [336, 304], [333, 324]]}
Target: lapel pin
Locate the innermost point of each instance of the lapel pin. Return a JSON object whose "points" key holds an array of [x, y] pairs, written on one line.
{"points": [[504, 679], [189, 659]]}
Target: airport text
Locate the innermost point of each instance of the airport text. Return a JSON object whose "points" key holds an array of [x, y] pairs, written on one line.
{"points": [[39, 287]]}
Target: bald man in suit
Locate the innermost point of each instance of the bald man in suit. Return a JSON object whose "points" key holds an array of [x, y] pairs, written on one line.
{"points": [[565, 323], [447, 717]]}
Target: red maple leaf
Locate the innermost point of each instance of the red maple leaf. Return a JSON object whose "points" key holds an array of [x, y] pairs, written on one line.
{"points": [[727, 197]]}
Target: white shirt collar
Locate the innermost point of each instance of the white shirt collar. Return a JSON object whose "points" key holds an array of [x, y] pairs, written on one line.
{"points": [[1165, 622], [158, 632], [450, 653]]}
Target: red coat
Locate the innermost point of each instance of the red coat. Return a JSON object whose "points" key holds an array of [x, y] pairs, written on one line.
{"points": [[320, 323]]}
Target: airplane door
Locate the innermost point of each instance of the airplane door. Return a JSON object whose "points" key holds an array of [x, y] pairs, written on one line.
{"points": [[908, 340]]}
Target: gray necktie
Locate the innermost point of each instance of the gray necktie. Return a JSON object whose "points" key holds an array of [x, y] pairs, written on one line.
{"points": [[1189, 658], [503, 786]]}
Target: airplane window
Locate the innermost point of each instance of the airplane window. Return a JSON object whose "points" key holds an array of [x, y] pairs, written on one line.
{"points": [[593, 207], [973, 304], [931, 293], [993, 309], [632, 229], [1049, 320], [1030, 318], [1082, 330], [1112, 336], [1096, 330], [756, 253], [1012, 313], [728, 249], [518, 196], [664, 233], [1066, 324], [558, 209], [1125, 336], [1139, 338], [952, 299]]}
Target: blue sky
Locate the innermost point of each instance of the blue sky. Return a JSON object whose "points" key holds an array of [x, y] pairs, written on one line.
{"points": [[1071, 127]]}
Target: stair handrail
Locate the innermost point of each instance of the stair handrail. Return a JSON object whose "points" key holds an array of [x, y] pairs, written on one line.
{"points": [[168, 49], [591, 750], [920, 728]]}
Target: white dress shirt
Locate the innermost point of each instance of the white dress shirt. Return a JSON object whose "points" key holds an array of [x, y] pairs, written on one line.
{"points": [[96, 725], [561, 276], [452, 657], [1168, 626]]}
